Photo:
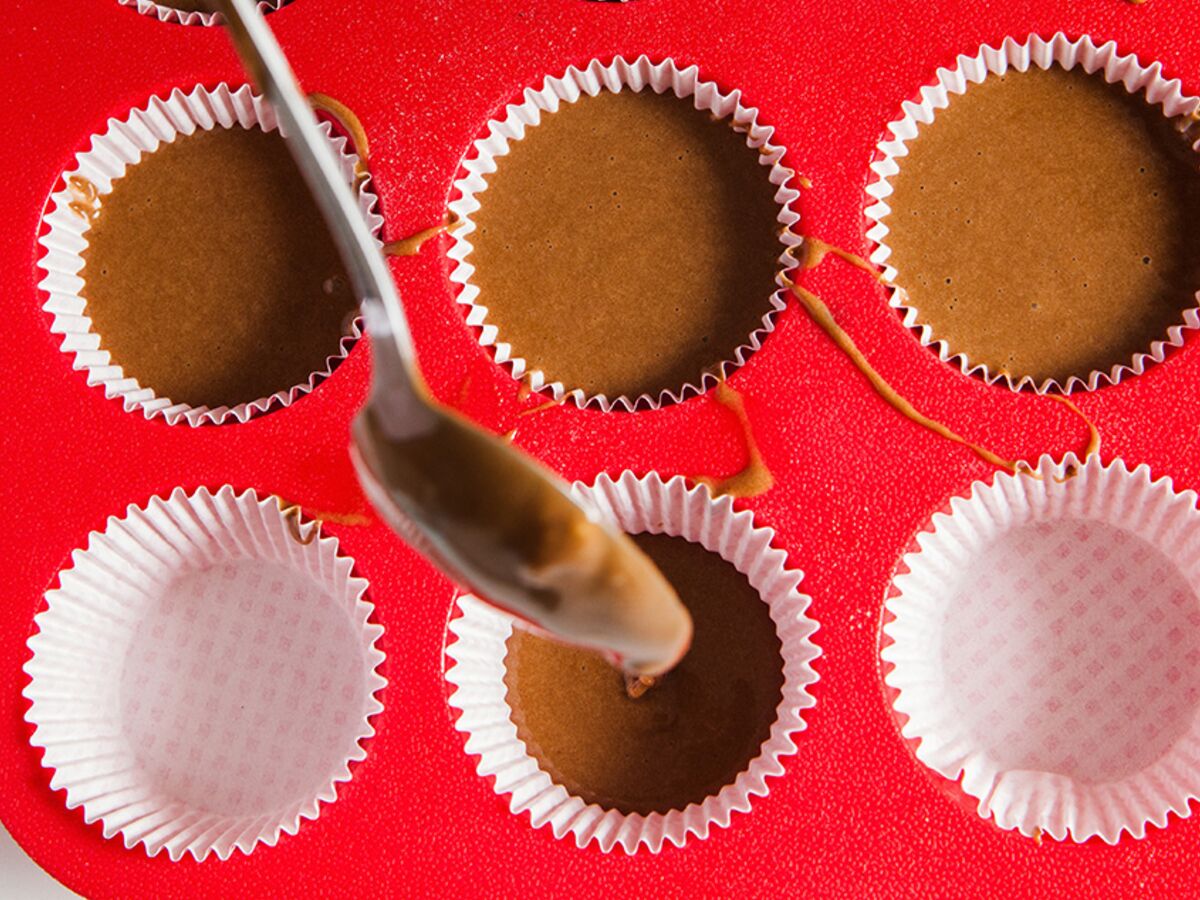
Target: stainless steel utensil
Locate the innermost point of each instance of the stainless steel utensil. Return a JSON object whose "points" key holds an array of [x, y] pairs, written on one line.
{"points": [[487, 515]]}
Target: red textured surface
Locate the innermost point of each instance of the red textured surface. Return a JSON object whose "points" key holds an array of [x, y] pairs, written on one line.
{"points": [[854, 813]]}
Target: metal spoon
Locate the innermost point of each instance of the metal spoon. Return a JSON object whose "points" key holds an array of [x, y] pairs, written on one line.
{"points": [[487, 515]]}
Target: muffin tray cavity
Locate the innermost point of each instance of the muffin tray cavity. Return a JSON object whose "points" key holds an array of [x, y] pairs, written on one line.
{"points": [[223, 675]]}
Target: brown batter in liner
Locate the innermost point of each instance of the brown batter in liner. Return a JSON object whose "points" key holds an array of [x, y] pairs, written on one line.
{"points": [[1044, 224], [683, 739], [627, 244], [209, 273]]}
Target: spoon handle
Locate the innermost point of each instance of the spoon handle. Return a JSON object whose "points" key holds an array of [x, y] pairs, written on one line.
{"points": [[395, 356]]}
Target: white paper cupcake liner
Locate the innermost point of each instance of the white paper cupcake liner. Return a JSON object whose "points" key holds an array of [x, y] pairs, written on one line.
{"points": [[477, 672], [166, 13], [621, 74], [204, 674], [122, 145], [1045, 647], [1020, 56]]}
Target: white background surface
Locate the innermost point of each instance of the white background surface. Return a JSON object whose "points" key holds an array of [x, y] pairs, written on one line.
{"points": [[20, 877]]}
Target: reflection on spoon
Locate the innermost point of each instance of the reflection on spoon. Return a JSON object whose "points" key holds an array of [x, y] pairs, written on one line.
{"points": [[508, 529]]}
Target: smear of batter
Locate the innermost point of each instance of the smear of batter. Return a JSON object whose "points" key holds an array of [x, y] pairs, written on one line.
{"points": [[293, 513], [755, 478], [815, 250], [86, 198], [541, 407], [348, 120], [822, 316], [411, 245]]}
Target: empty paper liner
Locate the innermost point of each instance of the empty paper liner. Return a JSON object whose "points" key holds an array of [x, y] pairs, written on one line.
{"points": [[204, 674], [1044, 645]]}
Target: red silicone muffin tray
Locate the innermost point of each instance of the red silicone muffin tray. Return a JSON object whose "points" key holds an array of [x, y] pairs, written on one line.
{"points": [[855, 813]]}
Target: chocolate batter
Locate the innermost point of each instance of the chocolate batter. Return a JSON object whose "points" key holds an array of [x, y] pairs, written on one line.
{"points": [[1045, 224], [685, 738], [210, 275], [627, 244], [755, 478]]}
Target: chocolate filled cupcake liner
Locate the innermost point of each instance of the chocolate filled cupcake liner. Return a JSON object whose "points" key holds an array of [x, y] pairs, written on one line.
{"points": [[477, 669], [1044, 646], [123, 144], [1059, 50], [166, 13], [619, 75], [204, 674]]}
